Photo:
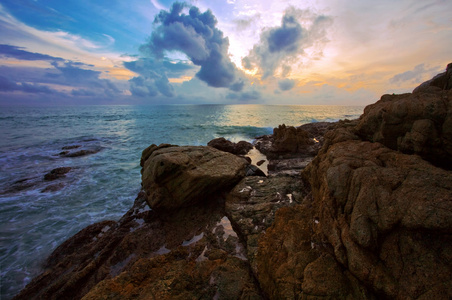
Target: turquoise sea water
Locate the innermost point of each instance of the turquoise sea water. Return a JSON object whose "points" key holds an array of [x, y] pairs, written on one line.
{"points": [[103, 185]]}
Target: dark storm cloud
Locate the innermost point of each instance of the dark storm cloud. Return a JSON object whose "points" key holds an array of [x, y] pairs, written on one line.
{"points": [[237, 86], [280, 46], [286, 84], [194, 34], [18, 53], [8, 85]]}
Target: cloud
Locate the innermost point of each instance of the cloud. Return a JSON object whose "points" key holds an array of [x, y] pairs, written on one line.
{"points": [[246, 22], [197, 37], [83, 93], [281, 46], [414, 76], [286, 84], [8, 85], [153, 80], [18, 53], [246, 96], [73, 75], [238, 86]]}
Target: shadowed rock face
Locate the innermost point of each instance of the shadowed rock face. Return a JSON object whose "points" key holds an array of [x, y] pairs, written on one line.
{"points": [[175, 177], [418, 123]]}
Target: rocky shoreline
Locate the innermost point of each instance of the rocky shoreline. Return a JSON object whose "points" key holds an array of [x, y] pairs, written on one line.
{"points": [[358, 209]]}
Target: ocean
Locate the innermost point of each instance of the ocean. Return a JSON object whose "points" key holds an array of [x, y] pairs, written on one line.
{"points": [[36, 215]]}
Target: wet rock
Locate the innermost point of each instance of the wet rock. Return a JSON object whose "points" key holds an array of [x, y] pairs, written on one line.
{"points": [[79, 153], [186, 254], [20, 185], [252, 170], [53, 188], [175, 177], [70, 147], [57, 173], [240, 148]]}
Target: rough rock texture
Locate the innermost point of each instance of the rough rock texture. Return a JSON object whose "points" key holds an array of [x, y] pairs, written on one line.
{"points": [[175, 177], [191, 253], [240, 148], [291, 149], [252, 204], [419, 123], [379, 224], [289, 141], [387, 217]]}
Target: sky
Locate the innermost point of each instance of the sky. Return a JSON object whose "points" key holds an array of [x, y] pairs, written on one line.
{"points": [[313, 52]]}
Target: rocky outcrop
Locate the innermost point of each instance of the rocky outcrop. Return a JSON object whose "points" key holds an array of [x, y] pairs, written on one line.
{"points": [[381, 210], [378, 225], [290, 149], [418, 123], [240, 148], [289, 141], [175, 177], [252, 204]]}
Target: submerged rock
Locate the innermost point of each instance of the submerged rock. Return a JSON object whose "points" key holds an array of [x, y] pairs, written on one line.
{"points": [[175, 177], [79, 153], [57, 173]]}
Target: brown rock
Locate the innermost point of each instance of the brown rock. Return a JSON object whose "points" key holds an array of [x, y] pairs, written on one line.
{"points": [[418, 123], [251, 206], [240, 148], [175, 177], [290, 139], [367, 197]]}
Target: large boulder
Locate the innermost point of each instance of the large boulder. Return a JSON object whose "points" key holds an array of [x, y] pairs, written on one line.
{"points": [[418, 123], [386, 216], [175, 177]]}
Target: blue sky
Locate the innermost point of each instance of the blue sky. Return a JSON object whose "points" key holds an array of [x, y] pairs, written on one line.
{"points": [[346, 52]]}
